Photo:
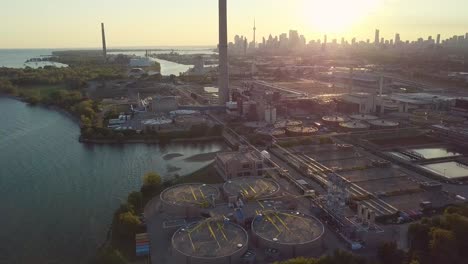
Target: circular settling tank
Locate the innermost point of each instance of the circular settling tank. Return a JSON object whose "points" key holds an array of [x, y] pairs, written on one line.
{"points": [[383, 124], [300, 131], [210, 241], [272, 132], [354, 126], [287, 123], [334, 120], [292, 233], [363, 117], [188, 200], [251, 187]]}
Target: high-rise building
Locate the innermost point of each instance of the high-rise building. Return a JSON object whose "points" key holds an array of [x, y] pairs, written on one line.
{"points": [[104, 48], [438, 39], [254, 31], [397, 38], [377, 36], [223, 92]]}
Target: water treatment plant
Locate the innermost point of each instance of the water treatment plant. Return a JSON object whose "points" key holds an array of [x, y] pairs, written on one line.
{"points": [[210, 241]]}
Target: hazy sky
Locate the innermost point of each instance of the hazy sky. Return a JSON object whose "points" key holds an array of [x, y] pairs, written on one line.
{"points": [[67, 23]]}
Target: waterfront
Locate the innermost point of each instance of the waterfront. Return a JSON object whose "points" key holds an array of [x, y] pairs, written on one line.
{"points": [[57, 195], [15, 58]]}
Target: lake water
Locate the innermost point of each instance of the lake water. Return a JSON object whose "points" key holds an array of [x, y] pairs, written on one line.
{"points": [[57, 196], [15, 58]]}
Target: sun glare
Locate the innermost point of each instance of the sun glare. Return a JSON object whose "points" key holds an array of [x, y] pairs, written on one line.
{"points": [[337, 16]]}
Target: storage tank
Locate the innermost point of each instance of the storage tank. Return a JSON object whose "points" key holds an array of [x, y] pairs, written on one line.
{"points": [[211, 241], [334, 120], [364, 117], [383, 124], [354, 126], [296, 131], [288, 123], [251, 187], [188, 200], [292, 233]]}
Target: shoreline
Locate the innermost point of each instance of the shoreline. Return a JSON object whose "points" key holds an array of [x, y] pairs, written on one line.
{"points": [[110, 141], [48, 107], [146, 141]]}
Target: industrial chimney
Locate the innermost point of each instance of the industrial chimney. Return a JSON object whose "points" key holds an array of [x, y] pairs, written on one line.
{"points": [[104, 48], [223, 54]]}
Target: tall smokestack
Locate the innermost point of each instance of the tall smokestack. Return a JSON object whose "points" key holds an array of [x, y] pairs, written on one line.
{"points": [[381, 84], [223, 54], [104, 48]]}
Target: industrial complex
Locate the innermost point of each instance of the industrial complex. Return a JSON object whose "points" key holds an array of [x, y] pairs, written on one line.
{"points": [[338, 154]]}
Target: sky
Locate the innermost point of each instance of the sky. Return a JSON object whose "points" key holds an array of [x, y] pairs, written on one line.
{"points": [[76, 24]]}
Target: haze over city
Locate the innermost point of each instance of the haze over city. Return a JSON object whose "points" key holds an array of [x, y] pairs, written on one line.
{"points": [[72, 24]]}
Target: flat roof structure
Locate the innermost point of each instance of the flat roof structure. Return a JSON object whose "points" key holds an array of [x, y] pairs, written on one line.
{"points": [[255, 187], [241, 156]]}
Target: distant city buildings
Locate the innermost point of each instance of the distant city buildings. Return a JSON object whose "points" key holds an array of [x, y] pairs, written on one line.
{"points": [[294, 42]]}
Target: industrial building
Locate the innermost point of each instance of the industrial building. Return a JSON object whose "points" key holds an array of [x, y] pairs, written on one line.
{"points": [[164, 104], [239, 163]]}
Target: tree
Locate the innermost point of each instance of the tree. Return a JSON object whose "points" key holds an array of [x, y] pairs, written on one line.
{"points": [[389, 253], [136, 200], [86, 121], [443, 246], [151, 185], [7, 87], [127, 224], [152, 178], [109, 255]]}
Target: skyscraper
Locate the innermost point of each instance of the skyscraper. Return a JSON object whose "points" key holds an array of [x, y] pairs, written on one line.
{"points": [[104, 48], [254, 31], [397, 38], [223, 54], [377, 37], [438, 39]]}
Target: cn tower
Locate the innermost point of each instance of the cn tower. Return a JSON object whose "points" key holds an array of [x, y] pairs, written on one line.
{"points": [[223, 54]]}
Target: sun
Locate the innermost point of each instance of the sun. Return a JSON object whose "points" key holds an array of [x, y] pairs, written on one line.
{"points": [[337, 16]]}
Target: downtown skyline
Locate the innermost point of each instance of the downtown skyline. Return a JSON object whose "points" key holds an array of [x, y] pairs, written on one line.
{"points": [[50, 24]]}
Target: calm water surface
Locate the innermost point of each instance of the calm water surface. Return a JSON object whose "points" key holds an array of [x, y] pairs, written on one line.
{"points": [[57, 195]]}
